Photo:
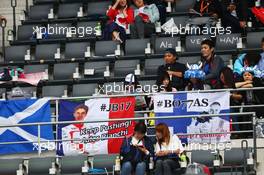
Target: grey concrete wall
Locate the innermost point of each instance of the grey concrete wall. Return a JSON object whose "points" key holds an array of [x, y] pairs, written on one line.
{"points": [[7, 11]]}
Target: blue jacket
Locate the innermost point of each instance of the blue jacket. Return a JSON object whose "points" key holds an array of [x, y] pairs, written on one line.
{"points": [[152, 11], [261, 62], [239, 64], [134, 155]]}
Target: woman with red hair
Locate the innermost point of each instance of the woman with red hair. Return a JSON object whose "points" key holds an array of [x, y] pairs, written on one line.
{"points": [[167, 150]]}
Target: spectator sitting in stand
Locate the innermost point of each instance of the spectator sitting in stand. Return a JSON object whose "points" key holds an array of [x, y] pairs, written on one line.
{"points": [[174, 69], [261, 62], [245, 60], [209, 11], [165, 84], [136, 151], [252, 97], [161, 4], [195, 77], [227, 81], [121, 15], [145, 18], [235, 14], [212, 64]]}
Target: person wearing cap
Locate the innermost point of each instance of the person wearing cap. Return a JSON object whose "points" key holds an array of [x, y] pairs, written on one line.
{"points": [[212, 63], [174, 69], [251, 97], [195, 77], [132, 86]]}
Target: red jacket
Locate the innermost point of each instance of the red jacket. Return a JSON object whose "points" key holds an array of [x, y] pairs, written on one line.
{"points": [[112, 13]]}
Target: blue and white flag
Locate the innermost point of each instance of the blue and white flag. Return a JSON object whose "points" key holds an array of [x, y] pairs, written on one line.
{"points": [[13, 112], [198, 128]]}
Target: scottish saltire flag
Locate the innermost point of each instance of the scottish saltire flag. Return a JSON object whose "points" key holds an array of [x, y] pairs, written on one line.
{"points": [[199, 128], [92, 138], [14, 112]]}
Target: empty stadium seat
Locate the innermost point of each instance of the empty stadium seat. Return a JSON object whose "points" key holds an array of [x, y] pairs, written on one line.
{"points": [[98, 8], [69, 10], [193, 43], [227, 42], [16, 53], [35, 68], [254, 39], [235, 156], [46, 51], [183, 6], [228, 173], [124, 67], [9, 166], [148, 86], [76, 50], [205, 157], [179, 20], [79, 90], [98, 67], [226, 59], [39, 12], [58, 31], [104, 48], [162, 43], [89, 29], [136, 46], [151, 65], [190, 60], [40, 166], [72, 164], [53, 91], [25, 32], [30, 91], [64, 71]]}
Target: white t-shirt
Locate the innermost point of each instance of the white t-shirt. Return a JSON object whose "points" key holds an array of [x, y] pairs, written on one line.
{"points": [[174, 144]]}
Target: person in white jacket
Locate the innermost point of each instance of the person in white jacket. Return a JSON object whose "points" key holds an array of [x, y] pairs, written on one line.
{"points": [[73, 131], [167, 150]]}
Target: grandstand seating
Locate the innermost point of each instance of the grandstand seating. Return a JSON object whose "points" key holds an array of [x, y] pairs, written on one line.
{"points": [[72, 58]]}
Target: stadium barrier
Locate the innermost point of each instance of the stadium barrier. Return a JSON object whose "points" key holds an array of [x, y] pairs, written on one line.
{"points": [[56, 123]]}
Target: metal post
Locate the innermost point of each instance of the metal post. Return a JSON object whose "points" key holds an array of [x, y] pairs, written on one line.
{"points": [[57, 116], [27, 9], [3, 26], [254, 123], [13, 5], [39, 144]]}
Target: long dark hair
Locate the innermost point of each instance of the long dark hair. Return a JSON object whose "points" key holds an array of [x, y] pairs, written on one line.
{"points": [[228, 77], [199, 85], [119, 7], [163, 77]]}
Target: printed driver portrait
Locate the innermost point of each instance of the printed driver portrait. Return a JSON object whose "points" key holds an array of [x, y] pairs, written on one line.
{"points": [[73, 132], [202, 126]]}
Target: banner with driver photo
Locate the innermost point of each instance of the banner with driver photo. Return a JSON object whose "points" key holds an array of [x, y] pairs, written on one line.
{"points": [[95, 138], [198, 129]]}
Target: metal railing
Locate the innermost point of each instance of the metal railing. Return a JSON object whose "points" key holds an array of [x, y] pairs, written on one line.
{"points": [[56, 123]]}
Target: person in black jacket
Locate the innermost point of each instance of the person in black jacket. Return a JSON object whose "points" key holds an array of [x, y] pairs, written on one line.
{"points": [[136, 151], [174, 69], [212, 64], [235, 14]]}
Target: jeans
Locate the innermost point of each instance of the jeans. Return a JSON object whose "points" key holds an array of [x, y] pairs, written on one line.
{"points": [[127, 168], [140, 29], [166, 167]]}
